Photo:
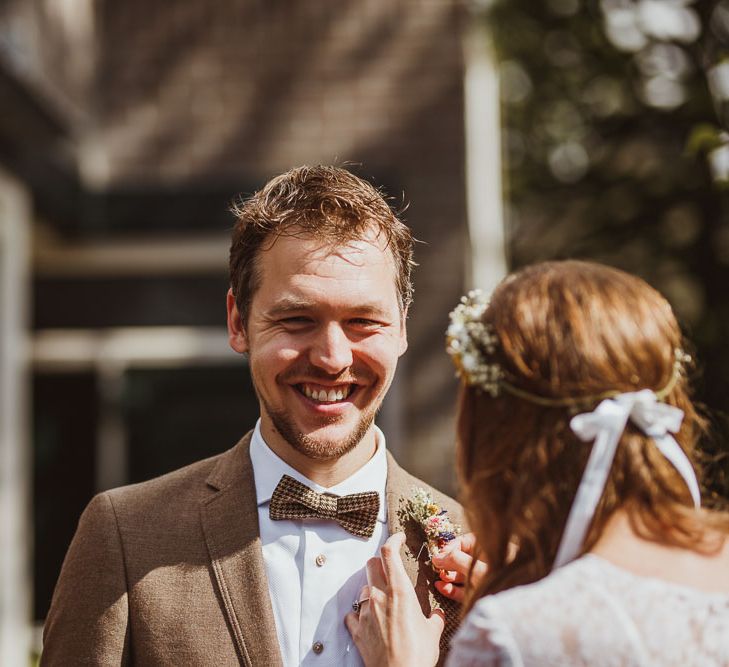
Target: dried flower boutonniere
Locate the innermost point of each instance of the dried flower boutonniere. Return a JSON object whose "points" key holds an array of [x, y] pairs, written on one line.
{"points": [[434, 520]]}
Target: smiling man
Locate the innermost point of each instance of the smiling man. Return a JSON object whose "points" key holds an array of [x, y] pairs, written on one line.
{"points": [[256, 556], [323, 331]]}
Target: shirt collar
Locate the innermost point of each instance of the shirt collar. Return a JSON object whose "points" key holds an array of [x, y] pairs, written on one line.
{"points": [[269, 468]]}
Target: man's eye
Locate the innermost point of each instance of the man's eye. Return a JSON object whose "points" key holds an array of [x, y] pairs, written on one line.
{"points": [[296, 321], [365, 323]]}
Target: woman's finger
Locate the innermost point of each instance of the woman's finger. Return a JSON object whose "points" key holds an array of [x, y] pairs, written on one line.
{"points": [[460, 562], [392, 565], [376, 574], [362, 599], [351, 620], [437, 620], [455, 560], [451, 576], [467, 543], [451, 591]]}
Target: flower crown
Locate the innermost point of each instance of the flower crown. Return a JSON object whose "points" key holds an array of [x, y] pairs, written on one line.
{"points": [[470, 341]]}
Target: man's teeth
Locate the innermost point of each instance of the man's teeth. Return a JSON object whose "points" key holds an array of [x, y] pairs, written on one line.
{"points": [[324, 396]]}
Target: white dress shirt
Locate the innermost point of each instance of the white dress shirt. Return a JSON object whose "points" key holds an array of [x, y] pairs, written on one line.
{"points": [[315, 568]]}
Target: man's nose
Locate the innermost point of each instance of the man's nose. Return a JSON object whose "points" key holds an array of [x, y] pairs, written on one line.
{"points": [[332, 349]]}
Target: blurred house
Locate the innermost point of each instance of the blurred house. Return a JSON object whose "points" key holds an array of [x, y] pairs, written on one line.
{"points": [[126, 130]]}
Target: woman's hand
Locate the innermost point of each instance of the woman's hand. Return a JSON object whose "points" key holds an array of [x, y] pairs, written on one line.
{"points": [[390, 629], [455, 565]]}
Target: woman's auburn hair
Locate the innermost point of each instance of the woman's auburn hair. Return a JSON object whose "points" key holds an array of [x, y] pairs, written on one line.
{"points": [[572, 329]]}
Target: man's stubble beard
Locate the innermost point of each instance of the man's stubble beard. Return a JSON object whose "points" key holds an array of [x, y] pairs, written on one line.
{"points": [[316, 448]]}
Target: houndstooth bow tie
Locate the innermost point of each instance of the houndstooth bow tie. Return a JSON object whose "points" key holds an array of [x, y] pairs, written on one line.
{"points": [[356, 513]]}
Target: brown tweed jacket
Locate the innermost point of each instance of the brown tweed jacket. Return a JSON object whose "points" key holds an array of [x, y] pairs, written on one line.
{"points": [[170, 571]]}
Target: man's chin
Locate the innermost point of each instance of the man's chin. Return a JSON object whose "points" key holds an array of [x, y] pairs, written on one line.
{"points": [[320, 450], [327, 443]]}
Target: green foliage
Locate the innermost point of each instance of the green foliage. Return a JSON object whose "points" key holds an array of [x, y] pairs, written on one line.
{"points": [[609, 145], [704, 138]]}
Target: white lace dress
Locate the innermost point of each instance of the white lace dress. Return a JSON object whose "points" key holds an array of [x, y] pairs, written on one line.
{"points": [[591, 612]]}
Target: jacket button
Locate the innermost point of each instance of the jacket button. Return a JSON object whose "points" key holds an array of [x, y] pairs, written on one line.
{"points": [[318, 647], [320, 560]]}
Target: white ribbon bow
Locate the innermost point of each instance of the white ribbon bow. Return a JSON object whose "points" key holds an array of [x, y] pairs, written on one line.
{"points": [[605, 425]]}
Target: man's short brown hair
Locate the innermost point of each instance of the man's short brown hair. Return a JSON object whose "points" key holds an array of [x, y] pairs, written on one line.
{"points": [[323, 202]]}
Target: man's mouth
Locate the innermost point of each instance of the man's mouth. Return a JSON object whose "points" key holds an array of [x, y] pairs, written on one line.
{"points": [[321, 394]]}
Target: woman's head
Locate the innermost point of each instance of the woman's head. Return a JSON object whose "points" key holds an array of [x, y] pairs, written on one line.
{"points": [[569, 330]]}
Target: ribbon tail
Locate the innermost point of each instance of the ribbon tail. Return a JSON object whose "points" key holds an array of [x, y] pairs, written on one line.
{"points": [[588, 494], [671, 450]]}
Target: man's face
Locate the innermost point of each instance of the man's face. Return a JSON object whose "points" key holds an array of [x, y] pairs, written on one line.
{"points": [[324, 334]]}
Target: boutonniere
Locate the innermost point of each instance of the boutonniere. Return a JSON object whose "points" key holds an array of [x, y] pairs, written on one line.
{"points": [[433, 519]]}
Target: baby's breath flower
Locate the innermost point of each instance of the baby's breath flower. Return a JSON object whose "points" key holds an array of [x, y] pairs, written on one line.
{"points": [[467, 338]]}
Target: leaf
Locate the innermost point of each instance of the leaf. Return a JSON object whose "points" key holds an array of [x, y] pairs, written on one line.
{"points": [[704, 138]]}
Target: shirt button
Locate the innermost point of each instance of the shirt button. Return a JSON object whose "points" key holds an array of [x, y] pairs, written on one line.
{"points": [[320, 560], [318, 647]]}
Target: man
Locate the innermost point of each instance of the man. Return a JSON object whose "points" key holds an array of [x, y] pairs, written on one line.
{"points": [[238, 558]]}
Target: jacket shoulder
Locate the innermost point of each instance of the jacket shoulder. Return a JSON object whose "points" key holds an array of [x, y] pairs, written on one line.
{"points": [[170, 483], [180, 492]]}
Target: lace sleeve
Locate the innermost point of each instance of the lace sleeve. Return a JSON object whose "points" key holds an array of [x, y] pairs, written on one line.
{"points": [[484, 640]]}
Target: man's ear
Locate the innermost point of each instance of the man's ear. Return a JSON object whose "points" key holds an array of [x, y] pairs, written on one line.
{"points": [[403, 334], [236, 331]]}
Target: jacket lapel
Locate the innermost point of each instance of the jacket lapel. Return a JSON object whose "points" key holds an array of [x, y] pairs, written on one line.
{"points": [[230, 524], [399, 488]]}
